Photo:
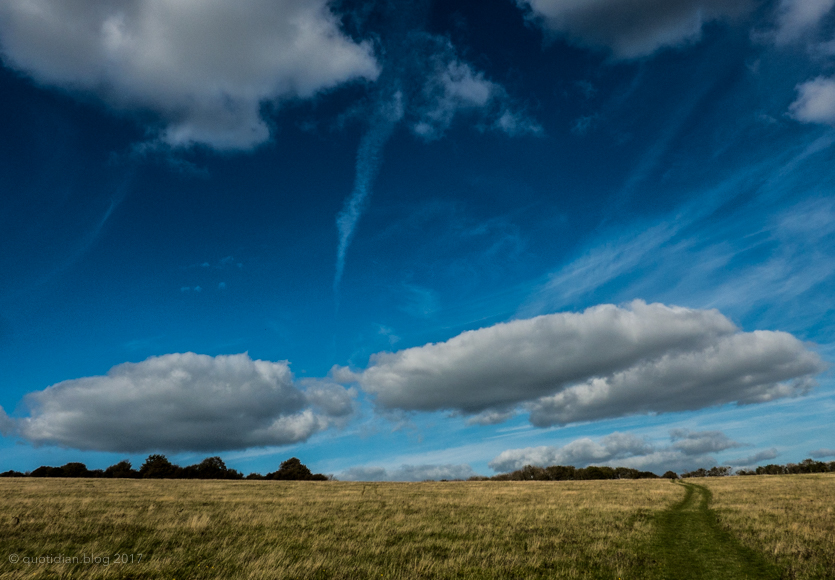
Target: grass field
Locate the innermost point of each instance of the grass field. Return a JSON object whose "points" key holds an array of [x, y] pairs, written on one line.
{"points": [[789, 518], [268, 530]]}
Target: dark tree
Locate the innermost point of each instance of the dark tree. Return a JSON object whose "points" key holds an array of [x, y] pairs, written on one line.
{"points": [[158, 467], [75, 470], [595, 472], [295, 470], [670, 475], [47, 471], [121, 470], [770, 469], [210, 468], [12, 473], [560, 472]]}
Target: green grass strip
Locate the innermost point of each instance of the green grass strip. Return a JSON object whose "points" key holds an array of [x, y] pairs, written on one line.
{"points": [[691, 545]]}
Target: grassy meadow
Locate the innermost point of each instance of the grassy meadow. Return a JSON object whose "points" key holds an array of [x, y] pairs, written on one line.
{"points": [[188, 529], [269, 530], [789, 518]]}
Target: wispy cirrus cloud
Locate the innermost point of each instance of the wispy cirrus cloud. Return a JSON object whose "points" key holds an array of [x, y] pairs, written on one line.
{"points": [[425, 84]]}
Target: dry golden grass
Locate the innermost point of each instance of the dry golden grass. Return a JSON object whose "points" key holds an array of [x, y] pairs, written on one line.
{"points": [[789, 518], [269, 530]]}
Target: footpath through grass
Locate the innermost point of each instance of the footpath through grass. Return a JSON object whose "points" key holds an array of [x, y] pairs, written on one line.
{"points": [[690, 545]]}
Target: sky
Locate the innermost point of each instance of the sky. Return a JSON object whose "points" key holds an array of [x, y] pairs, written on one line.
{"points": [[417, 240]]}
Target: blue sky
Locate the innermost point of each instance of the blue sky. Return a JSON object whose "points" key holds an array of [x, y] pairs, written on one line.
{"points": [[417, 240]]}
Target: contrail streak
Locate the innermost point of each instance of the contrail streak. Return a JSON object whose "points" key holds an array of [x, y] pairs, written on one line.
{"points": [[369, 157]]}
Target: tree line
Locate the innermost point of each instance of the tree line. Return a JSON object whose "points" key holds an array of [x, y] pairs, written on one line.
{"points": [[570, 473], [159, 467]]}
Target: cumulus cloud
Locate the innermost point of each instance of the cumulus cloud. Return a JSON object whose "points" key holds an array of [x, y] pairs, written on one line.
{"points": [[815, 102], [630, 28], [329, 398], [701, 442], [607, 361], [182, 402], [206, 68], [621, 449], [797, 17], [821, 453], [742, 368], [580, 452], [407, 473], [751, 460]]}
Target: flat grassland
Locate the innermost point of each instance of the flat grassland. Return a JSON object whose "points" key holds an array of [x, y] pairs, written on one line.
{"points": [[789, 518], [270, 530], [187, 529]]}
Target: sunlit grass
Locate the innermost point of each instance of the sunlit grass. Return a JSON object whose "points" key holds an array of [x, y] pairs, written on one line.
{"points": [[269, 530], [273, 529], [789, 518]]}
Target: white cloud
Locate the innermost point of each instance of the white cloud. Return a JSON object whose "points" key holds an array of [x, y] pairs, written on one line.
{"points": [[701, 442], [815, 102], [407, 473], [205, 67], [182, 402], [580, 452], [630, 28], [607, 361], [752, 460], [451, 87], [491, 417], [364, 474], [330, 398], [744, 368], [621, 449], [797, 17]]}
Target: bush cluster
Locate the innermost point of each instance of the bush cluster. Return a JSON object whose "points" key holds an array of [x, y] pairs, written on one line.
{"points": [[159, 467]]}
